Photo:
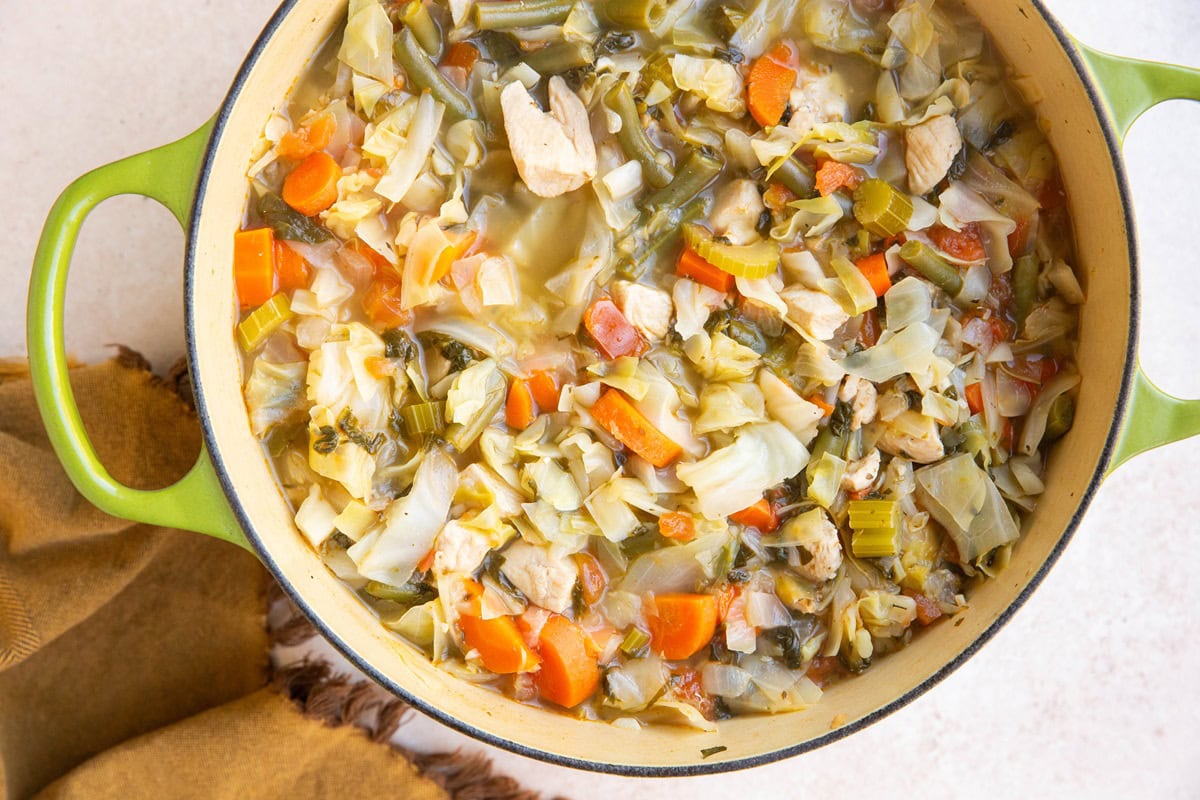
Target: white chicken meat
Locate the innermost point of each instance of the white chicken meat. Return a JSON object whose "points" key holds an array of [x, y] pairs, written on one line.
{"points": [[736, 209], [816, 312], [547, 581], [553, 151], [932, 147], [816, 98], [648, 309]]}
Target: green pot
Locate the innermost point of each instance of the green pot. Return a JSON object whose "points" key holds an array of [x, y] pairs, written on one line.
{"points": [[1088, 101]]}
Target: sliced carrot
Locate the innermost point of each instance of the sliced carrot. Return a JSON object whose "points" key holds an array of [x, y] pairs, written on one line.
{"points": [[833, 175], [312, 186], [569, 673], [974, 393], [254, 266], [769, 85], [592, 579], [691, 265], [462, 55], [677, 525], [382, 305], [875, 270], [761, 515], [303, 142], [499, 644], [545, 389], [682, 624], [519, 410], [868, 334], [620, 418], [378, 262], [291, 268], [611, 331], [966, 244], [820, 403]]}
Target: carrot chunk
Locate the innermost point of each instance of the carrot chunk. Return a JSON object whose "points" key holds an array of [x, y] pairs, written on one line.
{"points": [[761, 515], [254, 266], [974, 393], [312, 186], [682, 624], [691, 265], [303, 142], [291, 268], [611, 331], [678, 525], [545, 389], [499, 644], [519, 411], [620, 418], [381, 302], [569, 673], [769, 85], [875, 270]]}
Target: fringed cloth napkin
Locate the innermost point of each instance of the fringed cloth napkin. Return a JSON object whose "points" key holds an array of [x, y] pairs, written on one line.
{"points": [[134, 660]]}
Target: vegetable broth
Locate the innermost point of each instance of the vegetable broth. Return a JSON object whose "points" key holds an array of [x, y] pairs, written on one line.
{"points": [[658, 361]]}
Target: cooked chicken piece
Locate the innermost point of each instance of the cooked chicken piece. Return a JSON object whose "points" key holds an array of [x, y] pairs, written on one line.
{"points": [[816, 312], [891, 404], [459, 549], [547, 582], [554, 152], [914, 436], [862, 396], [861, 474], [820, 552], [736, 210], [932, 146], [816, 98], [648, 309]]}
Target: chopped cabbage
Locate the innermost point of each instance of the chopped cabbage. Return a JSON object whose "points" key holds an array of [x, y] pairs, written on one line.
{"points": [[965, 501], [315, 517], [694, 302], [409, 160], [716, 82], [786, 406], [367, 41], [736, 476], [274, 393], [720, 358], [552, 483], [724, 406], [909, 301], [910, 350]]}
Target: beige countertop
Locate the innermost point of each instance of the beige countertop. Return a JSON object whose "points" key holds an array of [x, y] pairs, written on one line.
{"points": [[1090, 689]]}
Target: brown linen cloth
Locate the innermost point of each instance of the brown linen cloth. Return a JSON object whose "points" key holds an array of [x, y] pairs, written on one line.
{"points": [[133, 659]]}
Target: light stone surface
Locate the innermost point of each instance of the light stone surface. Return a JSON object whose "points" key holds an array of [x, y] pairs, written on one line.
{"points": [[1090, 691]]}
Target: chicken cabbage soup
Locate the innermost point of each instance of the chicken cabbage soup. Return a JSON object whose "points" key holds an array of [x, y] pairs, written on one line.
{"points": [[661, 361]]}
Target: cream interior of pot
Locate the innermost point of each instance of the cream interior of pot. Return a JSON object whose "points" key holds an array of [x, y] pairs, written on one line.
{"points": [[1075, 132]]}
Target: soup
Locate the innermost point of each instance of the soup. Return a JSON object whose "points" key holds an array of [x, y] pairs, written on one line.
{"points": [[658, 362]]}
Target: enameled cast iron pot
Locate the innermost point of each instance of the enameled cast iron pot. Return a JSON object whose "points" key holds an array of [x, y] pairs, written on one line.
{"points": [[1086, 100]]}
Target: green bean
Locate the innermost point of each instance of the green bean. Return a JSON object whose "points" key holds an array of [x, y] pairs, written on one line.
{"points": [[696, 171], [1024, 278], [639, 15], [423, 74], [921, 257], [508, 14], [632, 136], [1060, 418], [410, 594], [795, 176], [562, 56], [662, 234], [416, 17]]}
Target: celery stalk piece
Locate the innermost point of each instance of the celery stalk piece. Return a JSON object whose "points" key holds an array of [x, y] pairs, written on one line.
{"points": [[881, 209], [751, 261], [254, 330], [634, 642], [424, 417], [868, 514], [874, 543]]}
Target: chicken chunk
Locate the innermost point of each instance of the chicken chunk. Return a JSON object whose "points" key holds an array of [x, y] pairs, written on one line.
{"points": [[648, 309], [547, 581], [459, 549], [932, 146], [815, 99], [816, 312], [820, 550], [554, 151], [861, 474], [914, 436], [736, 210], [862, 396]]}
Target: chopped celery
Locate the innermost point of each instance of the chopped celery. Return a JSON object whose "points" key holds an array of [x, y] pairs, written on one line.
{"points": [[254, 330], [418, 19], [881, 208], [750, 261], [424, 417], [924, 260], [410, 594], [1024, 282], [868, 514], [874, 543], [463, 435], [635, 642]]}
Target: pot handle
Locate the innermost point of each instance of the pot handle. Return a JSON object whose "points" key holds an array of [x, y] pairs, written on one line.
{"points": [[1131, 87], [167, 175]]}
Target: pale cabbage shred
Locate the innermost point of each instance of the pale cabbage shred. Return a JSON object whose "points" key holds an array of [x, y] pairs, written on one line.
{"points": [[745, 420]]}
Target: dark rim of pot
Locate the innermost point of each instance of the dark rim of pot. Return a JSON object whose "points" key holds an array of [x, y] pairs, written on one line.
{"points": [[328, 632]]}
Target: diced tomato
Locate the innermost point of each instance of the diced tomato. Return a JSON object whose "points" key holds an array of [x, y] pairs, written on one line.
{"points": [[966, 244], [868, 334], [381, 302], [822, 669], [611, 331], [927, 608], [974, 393], [1018, 240], [725, 597], [686, 686]]}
